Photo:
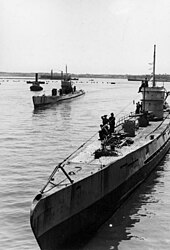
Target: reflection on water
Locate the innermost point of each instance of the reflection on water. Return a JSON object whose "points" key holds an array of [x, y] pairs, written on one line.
{"points": [[137, 224]]}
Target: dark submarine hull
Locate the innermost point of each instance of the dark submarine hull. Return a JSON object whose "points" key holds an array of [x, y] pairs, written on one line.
{"points": [[87, 221]]}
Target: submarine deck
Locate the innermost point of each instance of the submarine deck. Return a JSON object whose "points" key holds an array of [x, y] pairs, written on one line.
{"points": [[83, 163]]}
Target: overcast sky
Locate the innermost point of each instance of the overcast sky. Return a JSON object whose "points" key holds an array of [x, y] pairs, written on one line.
{"points": [[90, 36]]}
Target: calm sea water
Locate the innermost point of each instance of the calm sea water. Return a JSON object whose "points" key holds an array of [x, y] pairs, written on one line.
{"points": [[33, 142]]}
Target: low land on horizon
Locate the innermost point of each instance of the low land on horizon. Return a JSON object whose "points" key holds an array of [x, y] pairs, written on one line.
{"points": [[58, 75], [130, 77]]}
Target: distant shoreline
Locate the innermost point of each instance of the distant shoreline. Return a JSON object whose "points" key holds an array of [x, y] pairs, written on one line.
{"points": [[57, 76]]}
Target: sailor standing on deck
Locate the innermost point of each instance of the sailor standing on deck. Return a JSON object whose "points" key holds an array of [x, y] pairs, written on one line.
{"points": [[103, 133], [112, 123], [104, 119], [138, 106]]}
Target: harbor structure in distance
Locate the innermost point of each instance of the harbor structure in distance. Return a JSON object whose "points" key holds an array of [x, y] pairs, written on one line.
{"points": [[36, 84]]}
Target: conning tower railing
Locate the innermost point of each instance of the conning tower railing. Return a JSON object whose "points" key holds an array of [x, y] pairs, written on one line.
{"points": [[124, 118]]}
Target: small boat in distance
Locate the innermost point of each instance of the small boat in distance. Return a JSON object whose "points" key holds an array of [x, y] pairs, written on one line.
{"points": [[36, 84], [31, 82], [67, 91], [86, 188]]}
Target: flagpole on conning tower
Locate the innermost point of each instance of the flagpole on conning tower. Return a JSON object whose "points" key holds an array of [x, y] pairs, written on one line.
{"points": [[154, 58]]}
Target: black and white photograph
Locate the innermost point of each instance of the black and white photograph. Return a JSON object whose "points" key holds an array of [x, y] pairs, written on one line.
{"points": [[85, 125]]}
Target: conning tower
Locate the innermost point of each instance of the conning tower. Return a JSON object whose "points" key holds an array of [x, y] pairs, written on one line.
{"points": [[153, 100], [66, 84], [153, 97]]}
